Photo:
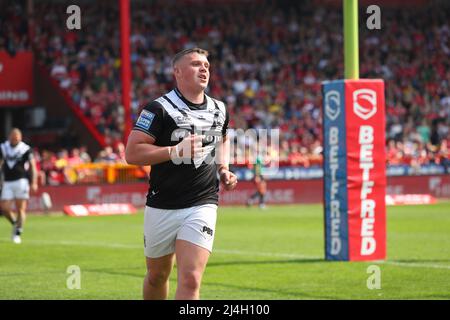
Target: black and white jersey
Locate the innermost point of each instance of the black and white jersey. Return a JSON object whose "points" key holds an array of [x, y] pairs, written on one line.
{"points": [[15, 160], [168, 120]]}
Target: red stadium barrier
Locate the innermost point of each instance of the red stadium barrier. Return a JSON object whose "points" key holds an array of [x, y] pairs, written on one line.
{"points": [[16, 79], [279, 192], [409, 199], [106, 209]]}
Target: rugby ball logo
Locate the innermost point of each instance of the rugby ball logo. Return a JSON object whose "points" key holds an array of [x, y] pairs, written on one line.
{"points": [[332, 104], [364, 103]]}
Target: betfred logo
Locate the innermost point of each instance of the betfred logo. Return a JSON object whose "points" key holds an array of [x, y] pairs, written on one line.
{"points": [[364, 103], [368, 205], [332, 104]]}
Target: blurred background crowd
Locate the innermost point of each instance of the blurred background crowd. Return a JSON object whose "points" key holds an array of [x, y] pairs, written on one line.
{"points": [[268, 60]]}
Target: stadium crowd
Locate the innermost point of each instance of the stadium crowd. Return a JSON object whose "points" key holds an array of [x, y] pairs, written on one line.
{"points": [[268, 59], [60, 167]]}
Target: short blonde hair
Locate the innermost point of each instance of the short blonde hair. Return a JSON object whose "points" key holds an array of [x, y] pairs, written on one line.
{"points": [[15, 131], [184, 52]]}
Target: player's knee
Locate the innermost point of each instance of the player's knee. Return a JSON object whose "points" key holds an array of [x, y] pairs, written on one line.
{"points": [[157, 278], [5, 206], [190, 280]]}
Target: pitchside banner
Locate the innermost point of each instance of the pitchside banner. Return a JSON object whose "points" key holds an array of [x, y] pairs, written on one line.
{"points": [[16, 79], [354, 170]]}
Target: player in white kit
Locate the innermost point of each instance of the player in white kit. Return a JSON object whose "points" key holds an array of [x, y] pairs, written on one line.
{"points": [[18, 168], [187, 126]]}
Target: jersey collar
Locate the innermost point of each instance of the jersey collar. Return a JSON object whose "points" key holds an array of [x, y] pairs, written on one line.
{"points": [[191, 105]]}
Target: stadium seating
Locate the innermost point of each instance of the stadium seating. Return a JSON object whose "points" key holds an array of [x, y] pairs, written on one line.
{"points": [[268, 61]]}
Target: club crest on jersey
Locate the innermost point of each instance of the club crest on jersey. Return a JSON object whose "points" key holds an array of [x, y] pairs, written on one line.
{"points": [[145, 120]]}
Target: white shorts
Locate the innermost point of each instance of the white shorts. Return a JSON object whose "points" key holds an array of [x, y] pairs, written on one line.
{"points": [[163, 227], [17, 189]]}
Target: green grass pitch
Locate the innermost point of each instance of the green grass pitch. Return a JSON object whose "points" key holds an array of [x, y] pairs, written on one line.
{"points": [[271, 254]]}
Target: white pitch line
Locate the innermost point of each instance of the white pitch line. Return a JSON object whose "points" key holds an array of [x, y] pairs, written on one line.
{"points": [[230, 252], [265, 254], [82, 243], [295, 256], [416, 265]]}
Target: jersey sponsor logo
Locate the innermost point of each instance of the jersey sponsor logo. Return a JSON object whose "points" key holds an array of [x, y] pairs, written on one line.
{"points": [[207, 230], [211, 137], [145, 120], [364, 103], [182, 120]]}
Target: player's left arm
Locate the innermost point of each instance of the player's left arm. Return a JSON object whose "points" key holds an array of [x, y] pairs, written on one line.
{"points": [[34, 174], [1, 173], [227, 178], [1, 158], [1, 169]]}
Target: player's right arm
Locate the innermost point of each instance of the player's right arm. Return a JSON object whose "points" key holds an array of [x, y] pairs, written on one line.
{"points": [[141, 149]]}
